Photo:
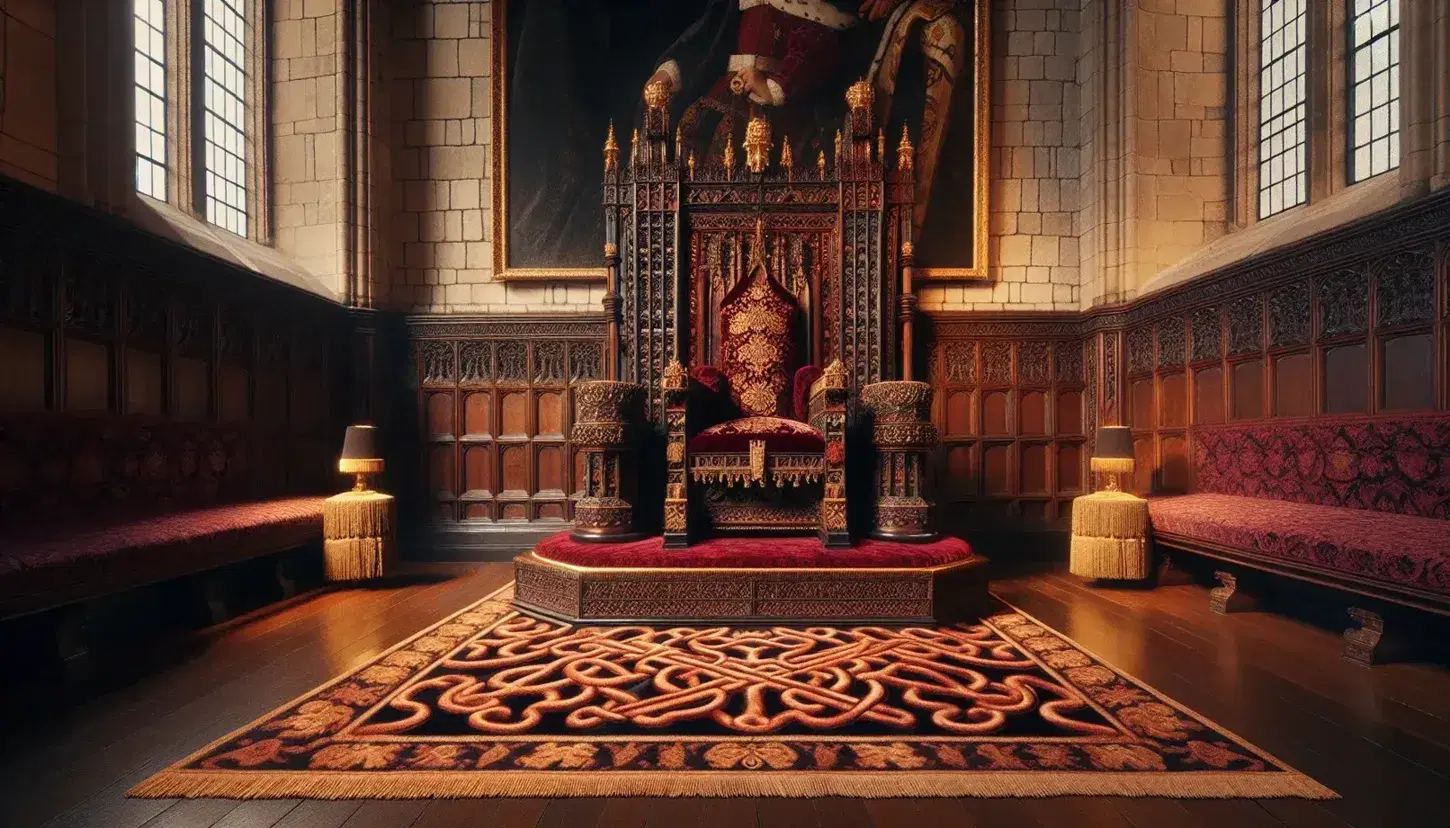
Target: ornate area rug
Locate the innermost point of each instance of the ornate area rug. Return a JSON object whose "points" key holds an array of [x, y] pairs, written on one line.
{"points": [[489, 702]]}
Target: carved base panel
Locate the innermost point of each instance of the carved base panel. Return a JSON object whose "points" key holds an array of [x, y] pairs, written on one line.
{"points": [[618, 595]]}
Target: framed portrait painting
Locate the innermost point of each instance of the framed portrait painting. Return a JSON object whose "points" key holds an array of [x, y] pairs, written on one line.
{"points": [[564, 72]]}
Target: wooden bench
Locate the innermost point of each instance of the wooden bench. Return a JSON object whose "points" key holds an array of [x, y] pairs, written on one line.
{"points": [[1359, 504], [91, 507]]}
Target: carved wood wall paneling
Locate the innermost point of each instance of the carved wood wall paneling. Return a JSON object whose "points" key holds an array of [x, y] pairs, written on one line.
{"points": [[495, 409], [1013, 411], [1355, 338], [151, 350]]}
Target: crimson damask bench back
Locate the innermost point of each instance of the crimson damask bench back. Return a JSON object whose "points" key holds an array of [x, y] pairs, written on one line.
{"points": [[1397, 464]]}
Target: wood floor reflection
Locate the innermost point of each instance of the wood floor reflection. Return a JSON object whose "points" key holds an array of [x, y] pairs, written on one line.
{"points": [[1380, 737]]}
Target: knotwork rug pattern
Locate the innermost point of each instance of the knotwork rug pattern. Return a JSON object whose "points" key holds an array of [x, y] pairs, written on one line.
{"points": [[490, 702]]}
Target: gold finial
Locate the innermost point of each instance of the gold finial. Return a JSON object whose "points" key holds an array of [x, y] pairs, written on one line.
{"points": [[905, 152], [690, 163], [821, 165], [674, 377], [786, 159], [679, 141], [860, 95], [656, 94], [834, 376], [881, 146], [634, 148], [611, 151], [757, 144], [729, 160], [836, 159], [757, 251]]}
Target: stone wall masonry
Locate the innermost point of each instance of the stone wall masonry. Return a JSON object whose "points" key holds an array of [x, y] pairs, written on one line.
{"points": [[441, 135], [1033, 254]]}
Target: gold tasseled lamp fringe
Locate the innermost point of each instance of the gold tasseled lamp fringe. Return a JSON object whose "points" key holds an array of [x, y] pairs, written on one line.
{"points": [[359, 536], [1110, 536]]}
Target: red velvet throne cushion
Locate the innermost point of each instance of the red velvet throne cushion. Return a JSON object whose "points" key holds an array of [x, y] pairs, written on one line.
{"points": [[780, 435]]}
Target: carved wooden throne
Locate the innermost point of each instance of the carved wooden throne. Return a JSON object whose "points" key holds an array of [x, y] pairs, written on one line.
{"points": [[789, 290], [760, 431]]}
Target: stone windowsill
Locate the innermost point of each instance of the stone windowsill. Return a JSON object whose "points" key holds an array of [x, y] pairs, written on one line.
{"points": [[1279, 231], [168, 222]]}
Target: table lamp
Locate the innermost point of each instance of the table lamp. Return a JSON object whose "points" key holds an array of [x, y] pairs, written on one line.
{"points": [[1113, 454], [358, 533], [360, 455]]}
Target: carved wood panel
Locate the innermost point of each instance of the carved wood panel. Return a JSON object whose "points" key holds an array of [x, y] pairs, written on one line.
{"points": [[139, 376], [495, 410], [1013, 418], [1355, 337]]}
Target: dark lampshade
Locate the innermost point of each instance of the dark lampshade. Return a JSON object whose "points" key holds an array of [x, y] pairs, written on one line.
{"points": [[360, 451], [1114, 450]]}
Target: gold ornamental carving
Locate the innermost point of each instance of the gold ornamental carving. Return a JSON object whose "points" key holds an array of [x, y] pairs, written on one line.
{"points": [[675, 377], [861, 97], [905, 152], [757, 144], [611, 151]]}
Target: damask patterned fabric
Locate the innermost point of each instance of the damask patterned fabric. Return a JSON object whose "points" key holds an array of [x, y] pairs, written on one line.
{"points": [[753, 552], [779, 434], [757, 349], [1396, 549], [1399, 465], [47, 567]]}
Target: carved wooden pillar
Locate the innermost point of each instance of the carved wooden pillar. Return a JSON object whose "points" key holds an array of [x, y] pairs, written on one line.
{"points": [[605, 434], [677, 526], [828, 413], [902, 431]]}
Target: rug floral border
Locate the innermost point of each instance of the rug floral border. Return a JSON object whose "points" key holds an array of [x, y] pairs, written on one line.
{"points": [[554, 765]]}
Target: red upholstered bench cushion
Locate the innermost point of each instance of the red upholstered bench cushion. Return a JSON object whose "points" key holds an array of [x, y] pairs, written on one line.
{"points": [[1403, 550], [754, 553], [46, 569]]}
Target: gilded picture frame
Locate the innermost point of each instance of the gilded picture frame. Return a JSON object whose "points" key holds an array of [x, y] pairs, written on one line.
{"points": [[979, 270]]}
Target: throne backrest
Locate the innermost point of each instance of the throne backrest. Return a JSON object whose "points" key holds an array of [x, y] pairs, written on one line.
{"points": [[757, 345]]}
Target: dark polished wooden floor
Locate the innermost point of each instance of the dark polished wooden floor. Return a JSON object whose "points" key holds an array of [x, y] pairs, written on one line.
{"points": [[1380, 737]]}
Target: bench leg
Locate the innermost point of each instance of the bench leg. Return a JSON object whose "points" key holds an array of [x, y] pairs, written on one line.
{"points": [[286, 575], [1360, 642], [1225, 597], [214, 592], [73, 629]]}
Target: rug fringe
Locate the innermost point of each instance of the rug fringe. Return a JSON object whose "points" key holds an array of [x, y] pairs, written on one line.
{"points": [[793, 784]]}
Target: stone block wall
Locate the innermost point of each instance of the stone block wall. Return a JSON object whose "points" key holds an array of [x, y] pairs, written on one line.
{"points": [[442, 223], [308, 189], [1033, 251], [1180, 130], [28, 122]]}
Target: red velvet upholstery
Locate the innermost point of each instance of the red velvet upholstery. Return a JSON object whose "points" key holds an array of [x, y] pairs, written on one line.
{"points": [[1397, 549], [757, 348], [742, 553], [50, 567], [1386, 464], [780, 435]]}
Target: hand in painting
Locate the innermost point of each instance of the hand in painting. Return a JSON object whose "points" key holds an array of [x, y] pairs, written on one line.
{"points": [[751, 81], [874, 10]]}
